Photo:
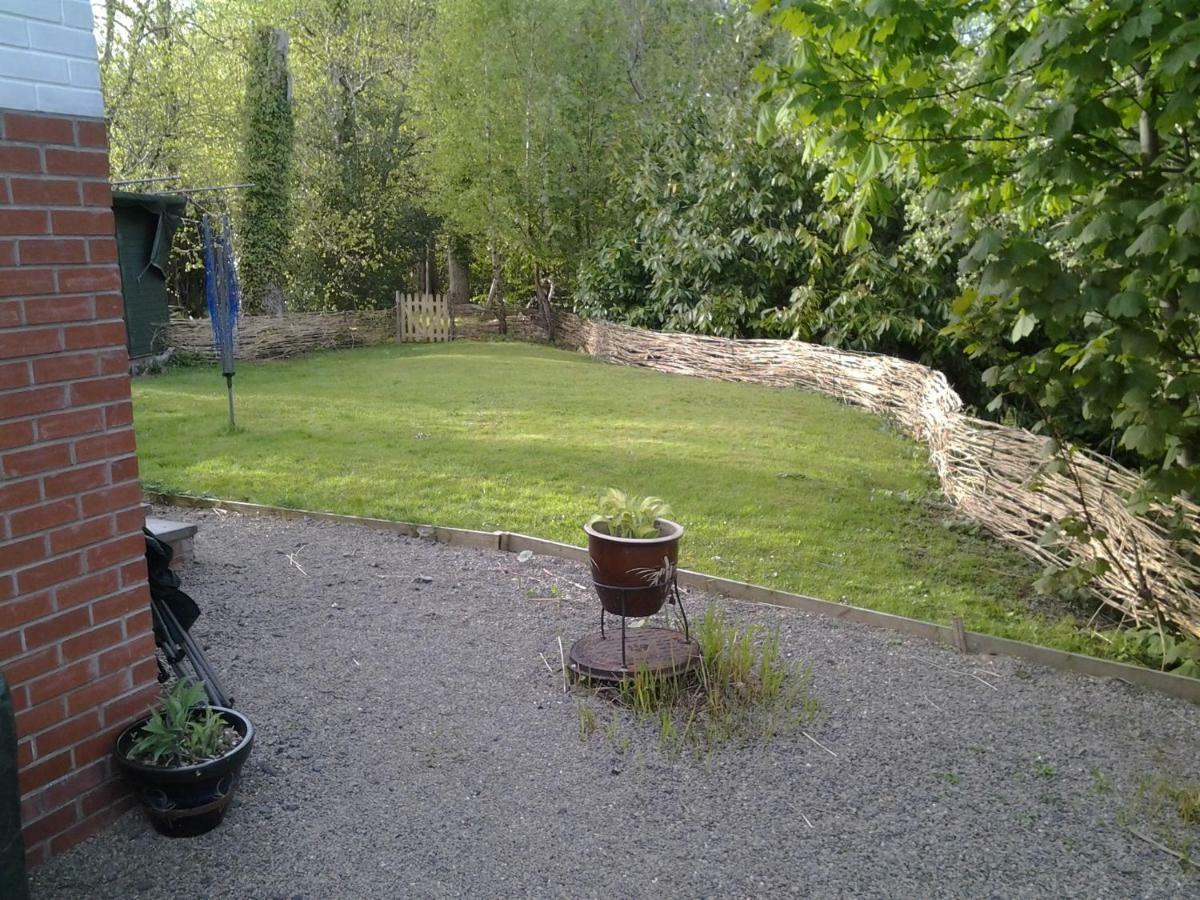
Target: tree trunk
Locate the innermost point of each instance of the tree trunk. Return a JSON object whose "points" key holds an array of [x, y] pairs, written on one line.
{"points": [[458, 277], [430, 278], [495, 300], [543, 287], [273, 298], [110, 22], [458, 270], [1147, 136], [269, 137]]}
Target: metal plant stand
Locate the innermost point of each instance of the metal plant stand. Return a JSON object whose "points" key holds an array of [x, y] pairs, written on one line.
{"points": [[664, 652], [674, 599]]}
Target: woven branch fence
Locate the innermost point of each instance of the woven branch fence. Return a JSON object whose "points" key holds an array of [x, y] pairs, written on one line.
{"points": [[275, 337], [994, 474], [281, 337]]}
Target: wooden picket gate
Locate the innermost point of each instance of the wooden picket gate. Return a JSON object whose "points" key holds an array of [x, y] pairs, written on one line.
{"points": [[423, 317]]}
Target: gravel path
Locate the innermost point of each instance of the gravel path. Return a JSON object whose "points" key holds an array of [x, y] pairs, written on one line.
{"points": [[411, 742]]}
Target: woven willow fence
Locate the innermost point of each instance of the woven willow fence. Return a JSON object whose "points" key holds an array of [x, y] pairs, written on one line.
{"points": [[280, 337], [992, 473], [272, 337]]}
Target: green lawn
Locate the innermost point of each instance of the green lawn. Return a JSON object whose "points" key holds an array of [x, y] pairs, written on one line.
{"points": [[777, 487]]}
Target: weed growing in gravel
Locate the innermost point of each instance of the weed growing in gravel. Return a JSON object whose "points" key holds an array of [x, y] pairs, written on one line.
{"points": [[1187, 803], [1167, 814], [587, 720], [742, 690], [1101, 783]]}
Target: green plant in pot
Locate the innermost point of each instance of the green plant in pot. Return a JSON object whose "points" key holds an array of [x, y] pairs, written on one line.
{"points": [[185, 759], [633, 548]]}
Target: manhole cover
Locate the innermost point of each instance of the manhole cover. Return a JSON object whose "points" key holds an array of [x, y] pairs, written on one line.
{"points": [[662, 651]]}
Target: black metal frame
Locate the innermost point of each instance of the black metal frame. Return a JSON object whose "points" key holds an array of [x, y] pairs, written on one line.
{"points": [[673, 597], [179, 648]]}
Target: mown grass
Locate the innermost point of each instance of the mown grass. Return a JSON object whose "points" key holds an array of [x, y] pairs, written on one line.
{"points": [[777, 487]]}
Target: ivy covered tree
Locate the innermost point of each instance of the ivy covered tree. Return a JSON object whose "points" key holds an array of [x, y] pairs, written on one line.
{"points": [[266, 222], [1061, 142], [364, 227]]}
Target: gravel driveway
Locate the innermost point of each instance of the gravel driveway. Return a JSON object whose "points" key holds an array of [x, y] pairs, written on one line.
{"points": [[413, 743]]}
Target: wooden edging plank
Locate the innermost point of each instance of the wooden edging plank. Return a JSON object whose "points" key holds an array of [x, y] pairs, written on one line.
{"points": [[512, 542]]}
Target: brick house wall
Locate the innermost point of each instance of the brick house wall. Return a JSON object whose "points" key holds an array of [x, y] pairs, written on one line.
{"points": [[76, 644]]}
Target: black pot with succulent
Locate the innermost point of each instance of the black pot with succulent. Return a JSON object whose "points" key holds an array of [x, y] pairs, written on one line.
{"points": [[185, 759]]}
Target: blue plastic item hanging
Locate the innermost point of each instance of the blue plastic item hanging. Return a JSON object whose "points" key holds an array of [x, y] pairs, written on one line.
{"points": [[222, 293]]}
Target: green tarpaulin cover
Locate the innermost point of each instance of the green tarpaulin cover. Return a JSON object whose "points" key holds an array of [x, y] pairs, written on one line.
{"points": [[145, 225]]}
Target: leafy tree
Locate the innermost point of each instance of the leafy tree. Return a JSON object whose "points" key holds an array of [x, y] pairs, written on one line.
{"points": [[1059, 139], [730, 236], [170, 95], [532, 108], [719, 233], [516, 107], [175, 87]]}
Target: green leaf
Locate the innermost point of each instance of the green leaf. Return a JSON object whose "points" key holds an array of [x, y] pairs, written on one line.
{"points": [[1153, 240], [874, 162], [1023, 326], [1180, 58], [1060, 120], [1127, 304], [1099, 229], [1140, 439], [1189, 220]]}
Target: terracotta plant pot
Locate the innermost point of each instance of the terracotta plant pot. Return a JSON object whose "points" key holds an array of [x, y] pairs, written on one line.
{"points": [[187, 800], [633, 575]]}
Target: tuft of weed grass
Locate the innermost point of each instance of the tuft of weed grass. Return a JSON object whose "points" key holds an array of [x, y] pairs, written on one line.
{"points": [[1170, 811], [742, 689], [587, 720]]}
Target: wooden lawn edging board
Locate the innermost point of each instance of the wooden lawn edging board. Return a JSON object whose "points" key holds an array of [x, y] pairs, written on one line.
{"points": [[952, 636]]}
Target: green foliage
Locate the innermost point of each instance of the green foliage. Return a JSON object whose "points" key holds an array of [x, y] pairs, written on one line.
{"points": [[722, 233], [267, 147], [183, 731], [531, 106], [725, 236], [624, 515], [1173, 653], [361, 222], [175, 80], [1060, 140]]}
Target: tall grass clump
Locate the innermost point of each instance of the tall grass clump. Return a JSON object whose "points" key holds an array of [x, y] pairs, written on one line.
{"points": [[743, 690]]}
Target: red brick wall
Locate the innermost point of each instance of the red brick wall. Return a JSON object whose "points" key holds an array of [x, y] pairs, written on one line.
{"points": [[75, 633]]}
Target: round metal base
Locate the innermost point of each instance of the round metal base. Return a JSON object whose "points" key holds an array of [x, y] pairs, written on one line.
{"points": [[664, 652]]}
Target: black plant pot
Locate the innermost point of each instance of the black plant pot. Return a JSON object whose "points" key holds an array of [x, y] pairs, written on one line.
{"points": [[188, 800]]}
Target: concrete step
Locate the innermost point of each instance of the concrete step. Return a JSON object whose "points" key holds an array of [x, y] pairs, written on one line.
{"points": [[177, 534]]}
